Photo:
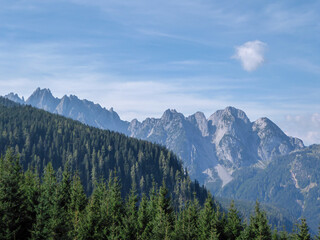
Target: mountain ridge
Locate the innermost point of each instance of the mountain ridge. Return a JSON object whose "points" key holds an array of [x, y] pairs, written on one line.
{"points": [[212, 148]]}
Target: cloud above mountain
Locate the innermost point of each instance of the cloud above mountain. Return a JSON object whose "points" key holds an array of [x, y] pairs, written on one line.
{"points": [[306, 127], [251, 55]]}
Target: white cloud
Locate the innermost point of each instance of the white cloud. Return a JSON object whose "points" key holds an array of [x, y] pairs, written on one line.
{"points": [[306, 127], [251, 55]]}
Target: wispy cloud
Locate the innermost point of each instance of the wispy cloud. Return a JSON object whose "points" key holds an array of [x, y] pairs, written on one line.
{"points": [[251, 55]]}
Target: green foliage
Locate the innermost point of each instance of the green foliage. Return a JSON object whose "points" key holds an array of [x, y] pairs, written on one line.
{"points": [[13, 201], [234, 224], [60, 210], [259, 227], [40, 137], [303, 233]]}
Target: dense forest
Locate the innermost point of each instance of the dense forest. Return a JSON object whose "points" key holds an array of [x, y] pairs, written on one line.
{"points": [[40, 137], [48, 208]]}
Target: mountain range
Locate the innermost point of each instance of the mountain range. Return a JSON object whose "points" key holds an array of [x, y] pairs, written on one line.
{"points": [[232, 156], [212, 149]]}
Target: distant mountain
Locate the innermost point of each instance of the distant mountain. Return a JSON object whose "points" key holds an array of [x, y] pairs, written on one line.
{"points": [[212, 149], [71, 106], [291, 181]]}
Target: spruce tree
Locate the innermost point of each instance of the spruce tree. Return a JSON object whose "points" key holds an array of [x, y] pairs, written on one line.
{"points": [[78, 202], [116, 213], [303, 233], [131, 216], [234, 225], [207, 229], [32, 190], [61, 224], [164, 219], [43, 228], [13, 211], [144, 220], [187, 226], [259, 227]]}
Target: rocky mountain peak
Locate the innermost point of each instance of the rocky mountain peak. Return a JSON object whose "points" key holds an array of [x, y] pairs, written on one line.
{"points": [[171, 114], [200, 121], [43, 98], [266, 128], [15, 98], [229, 114]]}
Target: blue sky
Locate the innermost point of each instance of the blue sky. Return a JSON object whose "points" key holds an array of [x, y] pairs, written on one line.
{"points": [[142, 57]]}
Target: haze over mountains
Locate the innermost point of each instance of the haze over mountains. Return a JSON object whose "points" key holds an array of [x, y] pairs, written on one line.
{"points": [[211, 148]]}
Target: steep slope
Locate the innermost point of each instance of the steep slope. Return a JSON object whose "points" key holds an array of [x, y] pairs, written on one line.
{"points": [[40, 137], [177, 133], [290, 182], [214, 149]]}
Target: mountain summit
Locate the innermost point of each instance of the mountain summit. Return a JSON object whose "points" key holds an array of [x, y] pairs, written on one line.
{"points": [[213, 149]]}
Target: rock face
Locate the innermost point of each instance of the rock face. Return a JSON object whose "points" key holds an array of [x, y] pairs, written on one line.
{"points": [[290, 181], [15, 98], [213, 149]]}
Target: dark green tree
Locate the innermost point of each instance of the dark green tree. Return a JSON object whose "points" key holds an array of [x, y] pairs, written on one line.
{"points": [[43, 228], [78, 202], [303, 233], [207, 229], [13, 209], [258, 227], [61, 216], [144, 220], [187, 226], [164, 218], [234, 225], [130, 222]]}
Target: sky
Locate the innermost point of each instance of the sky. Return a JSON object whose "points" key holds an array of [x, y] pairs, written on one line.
{"points": [[142, 57]]}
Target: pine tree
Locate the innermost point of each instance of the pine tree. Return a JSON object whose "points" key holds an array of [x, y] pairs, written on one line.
{"points": [[43, 229], [78, 202], [94, 222], [207, 229], [131, 215], [116, 213], [259, 227], [61, 224], [234, 226], [164, 219], [144, 220], [187, 226], [32, 190], [13, 211], [303, 233]]}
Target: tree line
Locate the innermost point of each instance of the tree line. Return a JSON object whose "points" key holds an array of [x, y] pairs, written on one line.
{"points": [[56, 207]]}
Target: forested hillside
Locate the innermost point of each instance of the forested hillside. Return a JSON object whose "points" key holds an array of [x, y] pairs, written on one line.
{"points": [[41, 137], [52, 208]]}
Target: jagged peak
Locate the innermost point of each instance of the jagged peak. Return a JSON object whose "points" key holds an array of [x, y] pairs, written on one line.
{"points": [[15, 97], [229, 111], [200, 115], [265, 123], [170, 114], [41, 92]]}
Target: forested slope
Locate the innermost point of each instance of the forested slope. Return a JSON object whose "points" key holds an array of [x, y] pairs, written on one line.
{"points": [[41, 137]]}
